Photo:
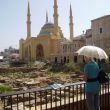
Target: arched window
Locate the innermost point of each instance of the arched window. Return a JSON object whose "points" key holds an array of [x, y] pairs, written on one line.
{"points": [[26, 53], [64, 59], [29, 52], [61, 60], [75, 59], [109, 58], [39, 52], [68, 59], [55, 59]]}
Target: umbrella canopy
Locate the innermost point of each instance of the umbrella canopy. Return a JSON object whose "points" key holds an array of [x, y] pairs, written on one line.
{"points": [[92, 51]]}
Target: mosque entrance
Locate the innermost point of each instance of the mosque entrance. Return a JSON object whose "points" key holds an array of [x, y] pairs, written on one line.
{"points": [[39, 52]]}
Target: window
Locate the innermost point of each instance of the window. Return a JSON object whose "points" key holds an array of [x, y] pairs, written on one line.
{"points": [[75, 59], [109, 58], [100, 30]]}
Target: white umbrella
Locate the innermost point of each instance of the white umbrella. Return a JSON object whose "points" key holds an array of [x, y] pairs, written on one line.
{"points": [[92, 51]]}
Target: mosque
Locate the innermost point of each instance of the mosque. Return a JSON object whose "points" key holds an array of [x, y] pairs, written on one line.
{"points": [[50, 44]]}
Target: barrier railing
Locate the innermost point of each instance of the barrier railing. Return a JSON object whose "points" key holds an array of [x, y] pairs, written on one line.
{"points": [[69, 97]]}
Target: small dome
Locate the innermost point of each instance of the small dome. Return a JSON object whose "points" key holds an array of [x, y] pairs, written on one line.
{"points": [[48, 25]]}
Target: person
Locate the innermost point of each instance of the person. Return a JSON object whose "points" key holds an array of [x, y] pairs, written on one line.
{"points": [[91, 70]]}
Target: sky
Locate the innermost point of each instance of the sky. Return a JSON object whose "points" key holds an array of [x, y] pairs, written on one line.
{"points": [[13, 17]]}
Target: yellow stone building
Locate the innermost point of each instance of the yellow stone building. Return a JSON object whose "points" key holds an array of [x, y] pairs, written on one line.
{"points": [[50, 43]]}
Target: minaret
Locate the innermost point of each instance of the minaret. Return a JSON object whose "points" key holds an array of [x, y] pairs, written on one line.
{"points": [[55, 15], [46, 17], [28, 22], [71, 25]]}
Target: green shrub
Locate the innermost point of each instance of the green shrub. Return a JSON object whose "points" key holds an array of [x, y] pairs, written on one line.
{"points": [[55, 68], [68, 67], [17, 63], [4, 88]]}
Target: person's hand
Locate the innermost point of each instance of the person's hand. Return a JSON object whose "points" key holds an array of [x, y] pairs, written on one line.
{"points": [[85, 77]]}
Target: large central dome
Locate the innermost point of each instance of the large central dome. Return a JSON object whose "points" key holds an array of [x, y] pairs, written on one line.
{"points": [[48, 25], [49, 30]]}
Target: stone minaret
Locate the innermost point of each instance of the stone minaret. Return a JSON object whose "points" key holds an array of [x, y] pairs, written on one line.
{"points": [[55, 15], [46, 17], [71, 25], [28, 22]]}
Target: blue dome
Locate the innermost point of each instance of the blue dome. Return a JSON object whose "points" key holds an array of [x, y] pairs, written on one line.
{"points": [[44, 34], [48, 25]]}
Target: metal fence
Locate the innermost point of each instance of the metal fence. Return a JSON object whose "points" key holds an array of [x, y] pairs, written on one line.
{"points": [[69, 97]]}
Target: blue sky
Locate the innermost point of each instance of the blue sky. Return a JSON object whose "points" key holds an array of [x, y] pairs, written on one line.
{"points": [[13, 17]]}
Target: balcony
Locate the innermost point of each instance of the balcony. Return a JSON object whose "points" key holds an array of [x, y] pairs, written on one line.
{"points": [[69, 97]]}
